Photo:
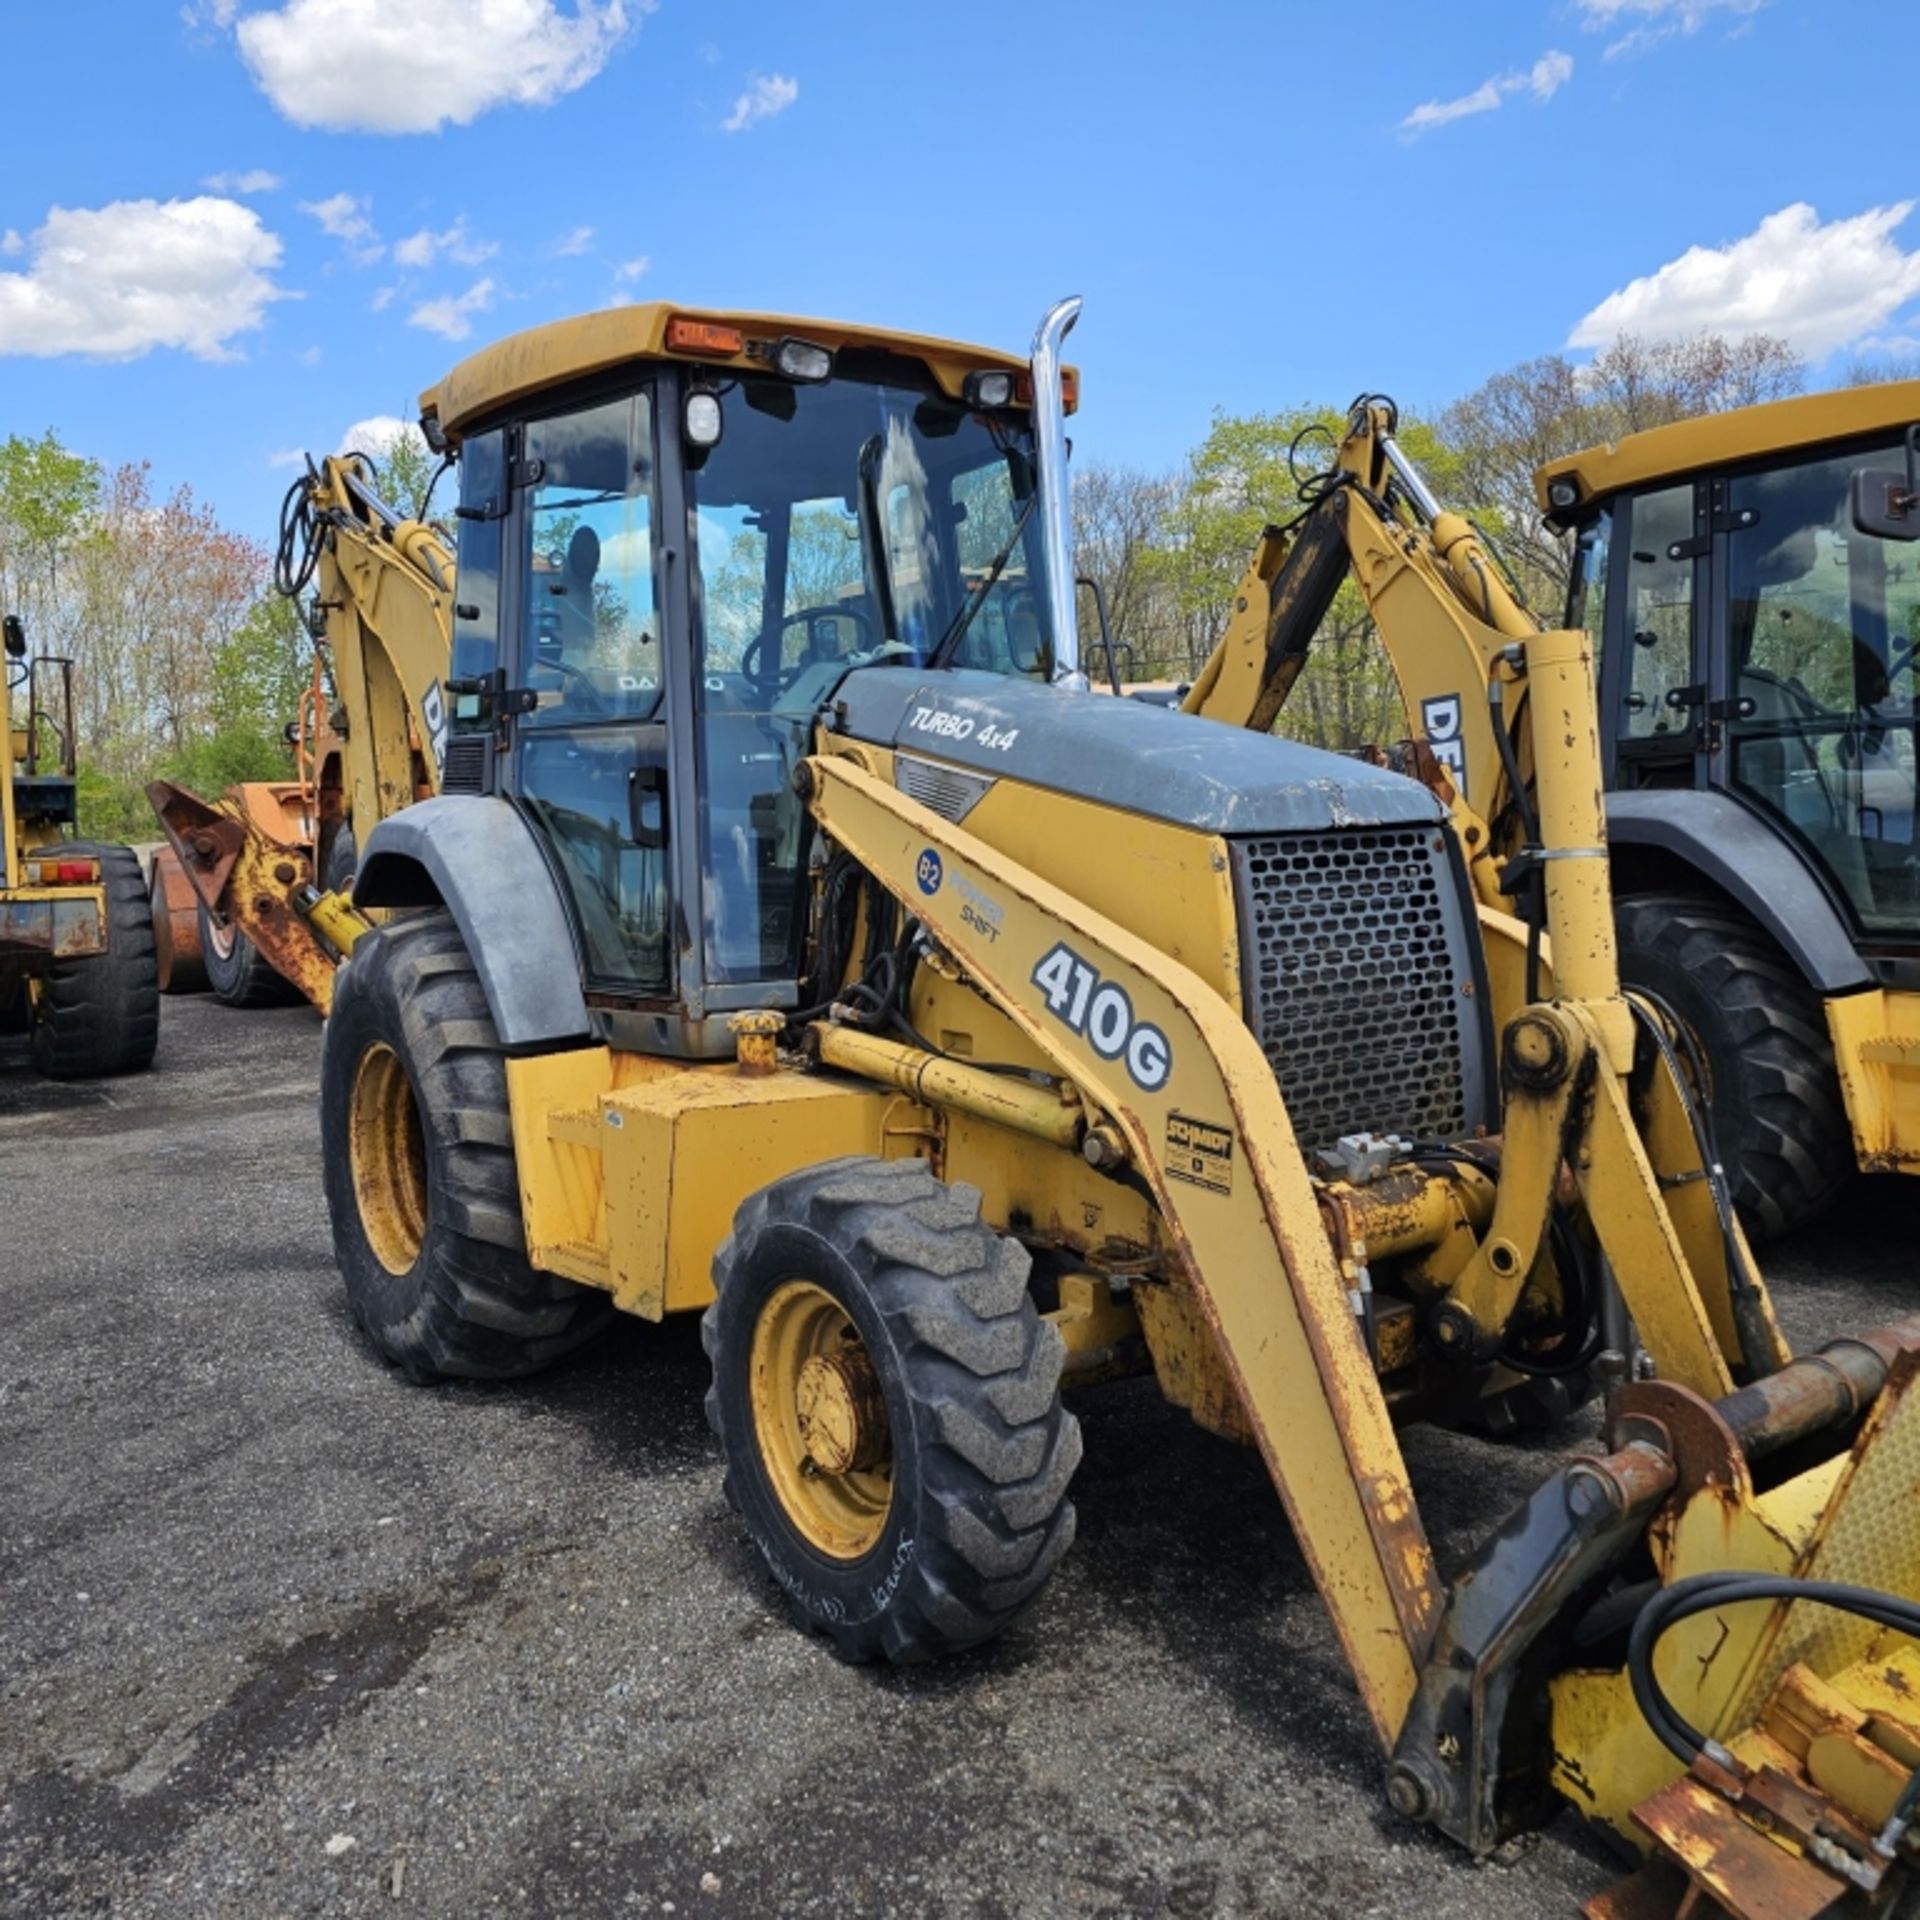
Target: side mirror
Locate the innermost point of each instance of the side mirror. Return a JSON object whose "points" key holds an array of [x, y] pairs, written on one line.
{"points": [[16, 636], [1887, 505]]}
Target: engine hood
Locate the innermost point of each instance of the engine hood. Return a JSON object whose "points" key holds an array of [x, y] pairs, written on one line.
{"points": [[1124, 753]]}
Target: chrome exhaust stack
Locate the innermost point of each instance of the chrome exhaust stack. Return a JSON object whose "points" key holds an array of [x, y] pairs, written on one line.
{"points": [[1056, 491]]}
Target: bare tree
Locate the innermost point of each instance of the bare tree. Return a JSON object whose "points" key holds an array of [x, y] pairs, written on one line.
{"points": [[1543, 409], [1120, 519]]}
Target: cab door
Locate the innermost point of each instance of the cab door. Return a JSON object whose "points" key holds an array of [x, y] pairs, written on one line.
{"points": [[590, 727], [1654, 672]]}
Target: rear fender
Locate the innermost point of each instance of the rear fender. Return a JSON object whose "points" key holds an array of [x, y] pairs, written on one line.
{"points": [[477, 858]]}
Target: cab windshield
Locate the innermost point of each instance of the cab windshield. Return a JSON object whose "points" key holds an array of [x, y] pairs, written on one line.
{"points": [[863, 515], [868, 518]]}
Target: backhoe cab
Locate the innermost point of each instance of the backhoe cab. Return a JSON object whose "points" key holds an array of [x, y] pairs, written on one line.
{"points": [[76, 943], [794, 941], [1751, 582]]}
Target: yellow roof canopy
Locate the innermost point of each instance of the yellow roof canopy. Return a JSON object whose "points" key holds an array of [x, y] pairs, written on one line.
{"points": [[524, 364]]}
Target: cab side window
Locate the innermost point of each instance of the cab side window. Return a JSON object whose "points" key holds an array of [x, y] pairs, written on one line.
{"points": [[592, 640], [1657, 627]]}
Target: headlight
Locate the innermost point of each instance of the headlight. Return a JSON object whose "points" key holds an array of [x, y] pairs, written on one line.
{"points": [[986, 392], [802, 360], [703, 420]]}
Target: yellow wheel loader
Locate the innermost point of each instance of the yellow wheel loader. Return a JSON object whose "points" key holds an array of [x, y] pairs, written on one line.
{"points": [[76, 937], [259, 880], [1754, 598], [796, 941]]}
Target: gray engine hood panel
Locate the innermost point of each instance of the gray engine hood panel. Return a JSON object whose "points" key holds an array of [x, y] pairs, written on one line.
{"points": [[1125, 753]]}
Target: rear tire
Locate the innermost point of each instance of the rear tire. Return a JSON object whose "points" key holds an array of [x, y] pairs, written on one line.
{"points": [[343, 861], [100, 1014], [417, 1152], [1778, 1114], [237, 972], [943, 1529]]}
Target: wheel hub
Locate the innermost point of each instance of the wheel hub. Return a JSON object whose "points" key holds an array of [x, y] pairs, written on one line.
{"points": [[843, 1417], [820, 1421], [386, 1151]]}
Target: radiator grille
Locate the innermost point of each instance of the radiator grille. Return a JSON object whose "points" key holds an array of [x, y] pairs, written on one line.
{"points": [[1357, 972], [465, 767]]}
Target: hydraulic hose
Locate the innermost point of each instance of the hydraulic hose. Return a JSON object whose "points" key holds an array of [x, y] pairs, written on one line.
{"points": [[1705, 1592]]}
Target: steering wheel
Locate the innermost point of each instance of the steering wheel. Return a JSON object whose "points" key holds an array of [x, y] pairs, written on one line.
{"points": [[785, 677]]}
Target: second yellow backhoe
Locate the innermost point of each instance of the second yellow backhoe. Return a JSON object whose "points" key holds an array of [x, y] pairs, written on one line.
{"points": [[1752, 591]]}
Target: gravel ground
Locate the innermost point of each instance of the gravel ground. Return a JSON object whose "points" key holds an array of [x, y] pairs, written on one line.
{"points": [[281, 1635]]}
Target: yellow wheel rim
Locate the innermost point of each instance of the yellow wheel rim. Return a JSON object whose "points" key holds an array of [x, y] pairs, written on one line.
{"points": [[388, 1154], [820, 1421]]}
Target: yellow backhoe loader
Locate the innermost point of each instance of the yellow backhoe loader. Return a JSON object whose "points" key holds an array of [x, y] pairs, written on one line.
{"points": [[1754, 598], [267, 868], [76, 941], [795, 941]]}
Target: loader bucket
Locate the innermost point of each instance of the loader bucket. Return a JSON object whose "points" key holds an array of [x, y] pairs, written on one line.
{"points": [[1729, 1516]]}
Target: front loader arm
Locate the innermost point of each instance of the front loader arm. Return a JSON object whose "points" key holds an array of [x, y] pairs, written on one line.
{"points": [[1151, 1045]]}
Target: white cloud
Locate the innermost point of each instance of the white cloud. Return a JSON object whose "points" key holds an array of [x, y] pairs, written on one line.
{"points": [[579, 241], [452, 315], [379, 434], [370, 66], [382, 298], [423, 248], [1816, 286], [1651, 21], [115, 282], [286, 457], [626, 276], [311, 356], [11, 243], [766, 95], [343, 217], [1543, 80], [254, 180]]}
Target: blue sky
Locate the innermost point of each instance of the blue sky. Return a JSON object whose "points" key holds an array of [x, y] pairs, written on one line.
{"points": [[232, 229]]}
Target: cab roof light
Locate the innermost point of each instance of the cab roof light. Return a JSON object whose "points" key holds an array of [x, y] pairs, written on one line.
{"points": [[988, 390], [1069, 389], [1563, 493], [703, 336], [802, 360]]}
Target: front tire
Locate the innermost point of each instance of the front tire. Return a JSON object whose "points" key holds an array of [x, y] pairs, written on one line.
{"points": [[237, 971], [100, 1014], [888, 1402], [422, 1190], [1778, 1114]]}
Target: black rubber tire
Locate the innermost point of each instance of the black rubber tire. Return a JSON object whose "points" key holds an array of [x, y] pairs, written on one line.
{"points": [[471, 1306], [983, 1450], [240, 977], [1778, 1114], [343, 861], [100, 1014]]}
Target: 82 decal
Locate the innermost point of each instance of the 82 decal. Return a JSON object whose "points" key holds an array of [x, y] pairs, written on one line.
{"points": [[1101, 1011]]}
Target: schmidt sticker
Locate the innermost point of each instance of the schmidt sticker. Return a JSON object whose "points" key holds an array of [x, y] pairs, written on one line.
{"points": [[928, 872]]}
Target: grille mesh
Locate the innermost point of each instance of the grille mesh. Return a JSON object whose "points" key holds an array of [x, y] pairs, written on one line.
{"points": [[465, 767], [1353, 981]]}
